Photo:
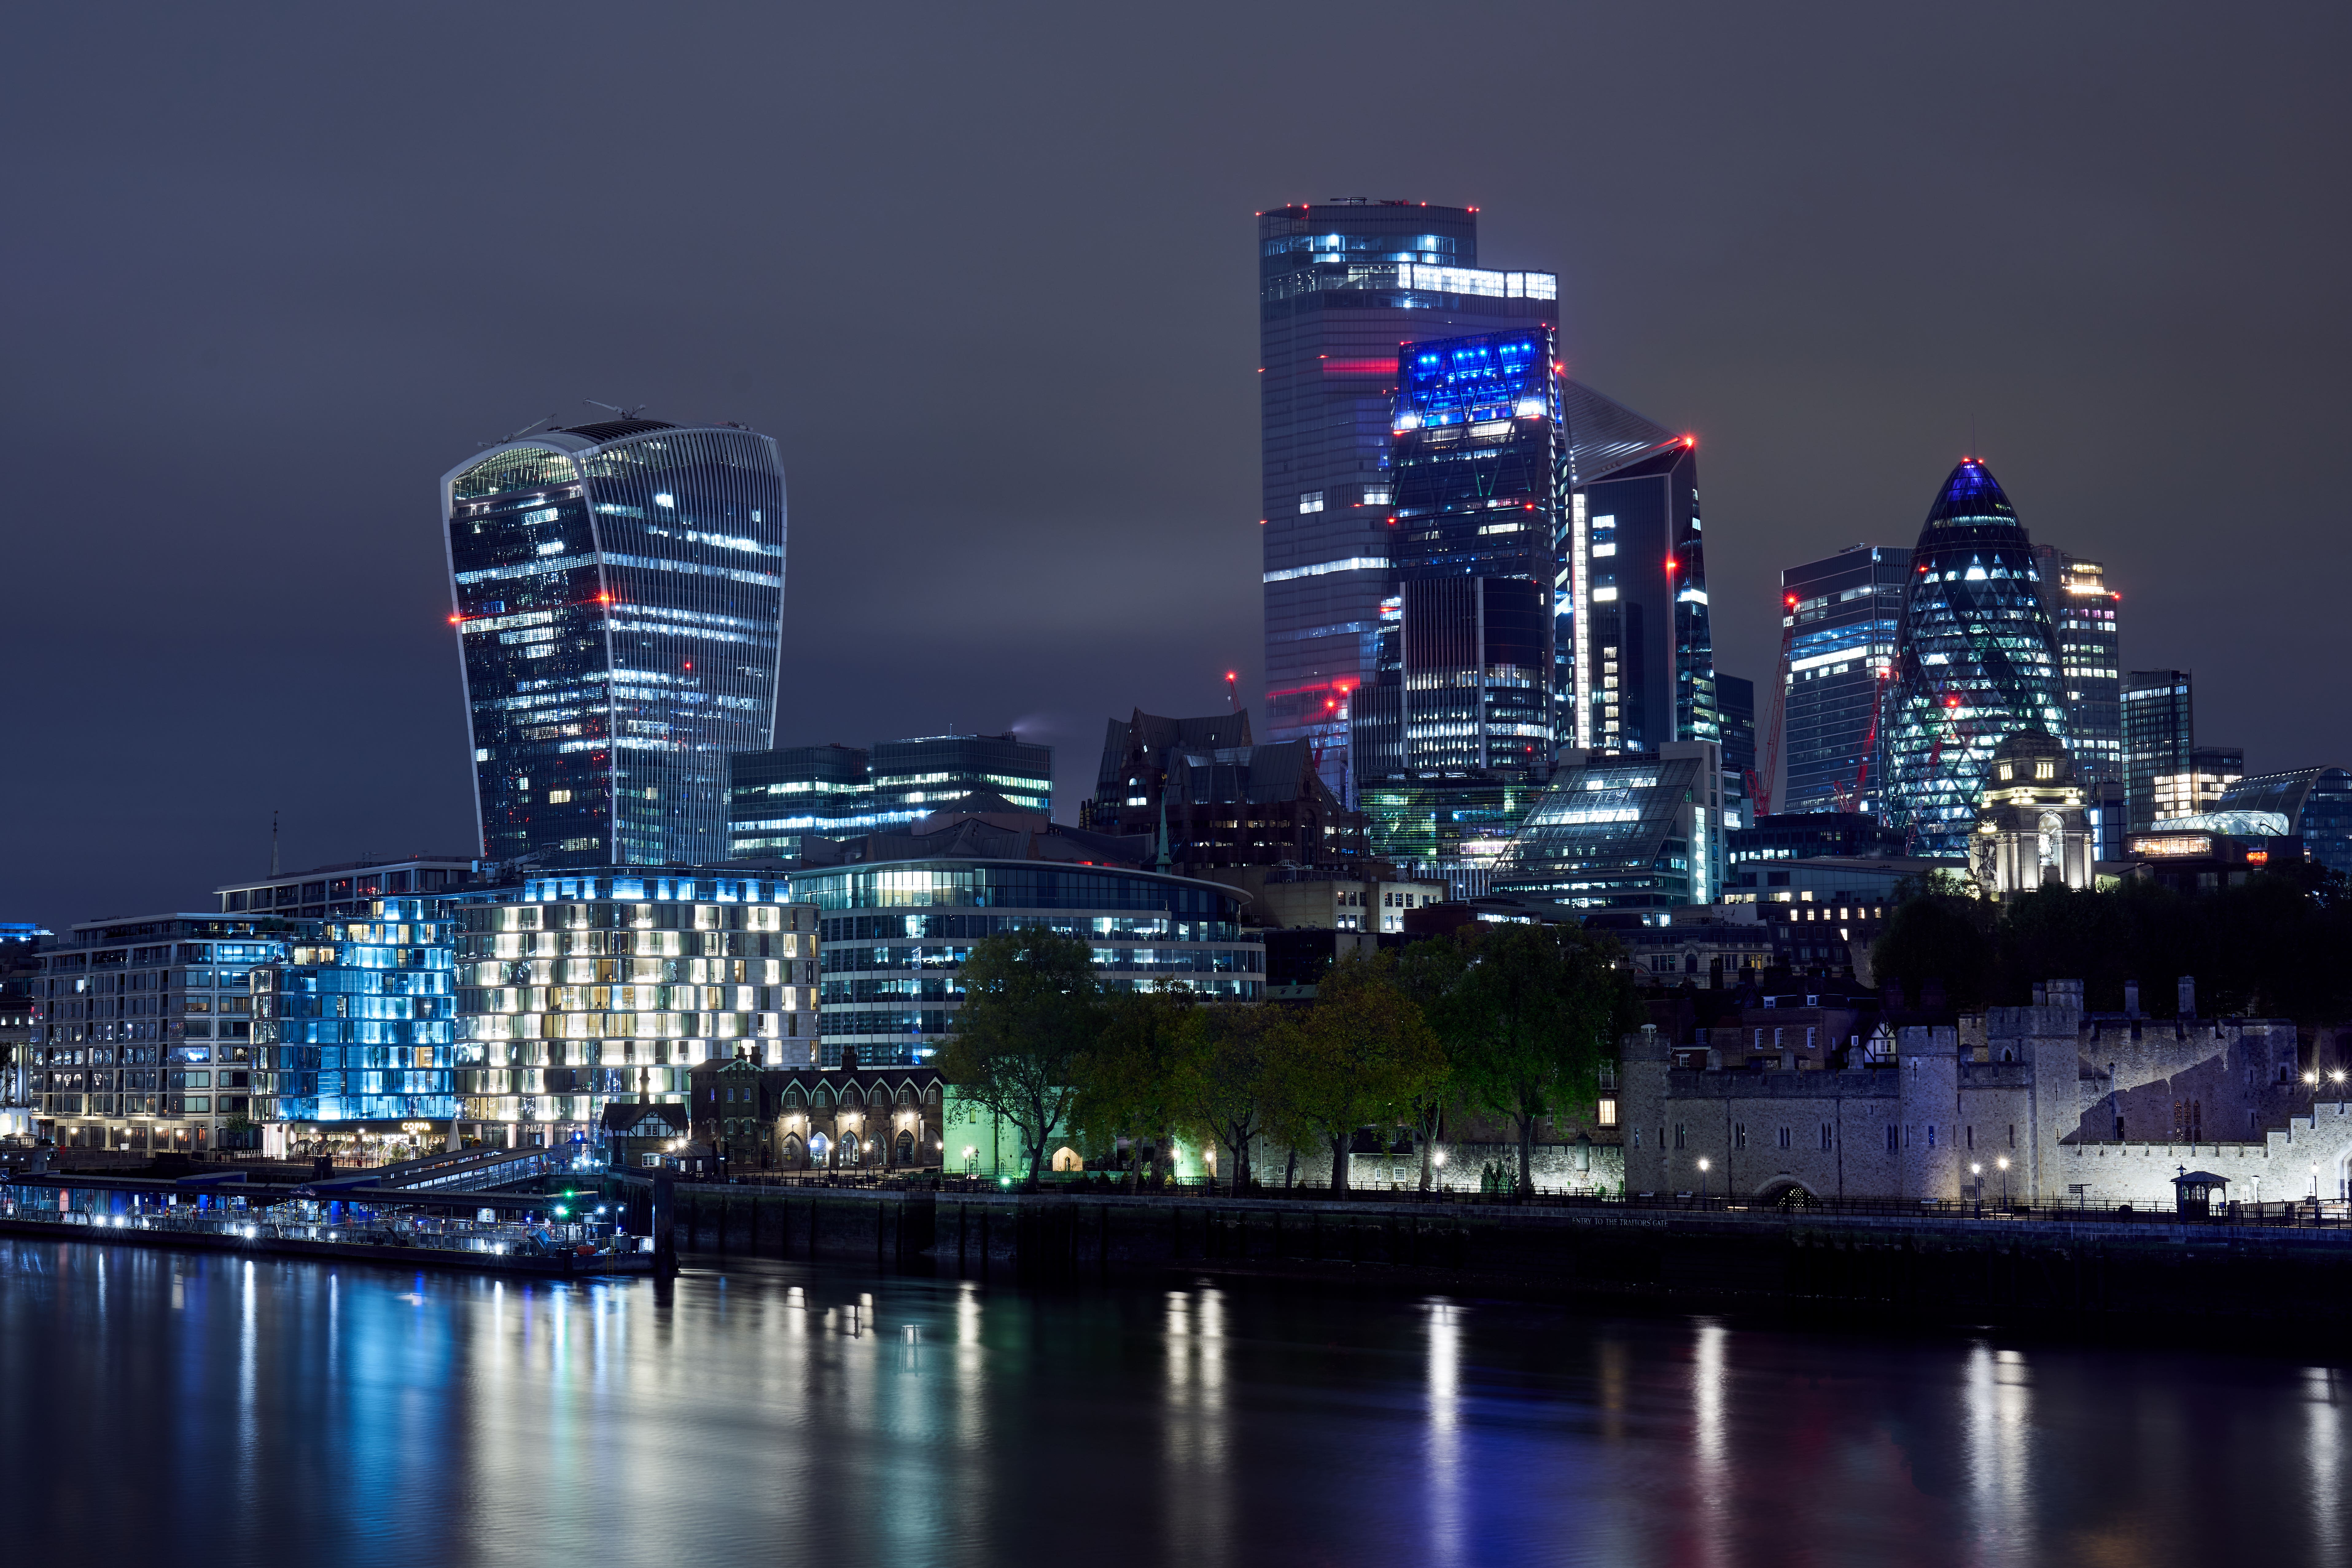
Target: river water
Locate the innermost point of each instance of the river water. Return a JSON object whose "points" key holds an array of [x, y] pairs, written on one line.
{"points": [[157, 1406]]}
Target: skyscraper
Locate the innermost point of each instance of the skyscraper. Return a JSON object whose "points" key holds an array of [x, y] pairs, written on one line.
{"points": [[617, 591], [2083, 607], [1841, 613], [1638, 665], [1457, 723], [1464, 681], [1735, 702], [2160, 738], [1340, 285], [1976, 662]]}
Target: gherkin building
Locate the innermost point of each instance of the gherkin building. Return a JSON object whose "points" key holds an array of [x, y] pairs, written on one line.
{"points": [[1976, 662]]}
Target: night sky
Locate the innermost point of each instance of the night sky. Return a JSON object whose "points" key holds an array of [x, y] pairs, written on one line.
{"points": [[988, 276]]}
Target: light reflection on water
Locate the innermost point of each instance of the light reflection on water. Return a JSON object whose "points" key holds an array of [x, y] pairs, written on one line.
{"points": [[257, 1410]]}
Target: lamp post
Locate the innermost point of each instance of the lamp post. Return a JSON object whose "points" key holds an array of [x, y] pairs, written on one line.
{"points": [[1977, 1170], [2003, 1163], [1702, 1179]]}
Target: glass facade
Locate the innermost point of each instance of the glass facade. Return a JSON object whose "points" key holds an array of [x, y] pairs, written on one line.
{"points": [[776, 798], [618, 599], [2313, 803], [2160, 740], [1975, 662], [358, 1022], [142, 1032], [1637, 635], [1341, 284], [2200, 785], [1448, 830], [1842, 613], [1623, 832], [2083, 607], [1735, 703], [573, 991], [1463, 683], [913, 778], [896, 933]]}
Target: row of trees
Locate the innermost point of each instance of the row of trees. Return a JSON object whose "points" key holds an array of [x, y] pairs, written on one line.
{"points": [[1514, 1020], [2274, 946]]}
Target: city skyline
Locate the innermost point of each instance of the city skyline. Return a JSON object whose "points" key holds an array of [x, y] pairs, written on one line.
{"points": [[1109, 561]]}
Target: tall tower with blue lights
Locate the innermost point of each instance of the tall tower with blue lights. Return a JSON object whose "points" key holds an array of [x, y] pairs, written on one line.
{"points": [[1976, 662], [617, 594], [1341, 285]]}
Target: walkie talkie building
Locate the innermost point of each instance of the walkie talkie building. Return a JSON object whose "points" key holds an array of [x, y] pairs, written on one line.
{"points": [[1976, 662], [617, 592]]}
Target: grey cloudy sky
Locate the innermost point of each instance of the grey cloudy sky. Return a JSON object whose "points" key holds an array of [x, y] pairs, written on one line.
{"points": [[987, 275]]}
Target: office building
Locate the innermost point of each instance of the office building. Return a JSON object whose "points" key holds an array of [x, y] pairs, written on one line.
{"points": [[576, 990], [776, 798], [142, 1032], [355, 1031], [1637, 664], [2199, 786], [2313, 804], [913, 778], [1735, 704], [1340, 285], [1463, 687], [1447, 830], [2083, 607], [1813, 835], [617, 592], [2160, 738], [1975, 662], [344, 890], [1623, 831], [900, 911], [1220, 807], [1841, 615]]}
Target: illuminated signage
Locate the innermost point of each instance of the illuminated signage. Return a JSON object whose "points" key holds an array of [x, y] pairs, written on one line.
{"points": [[2172, 845]]}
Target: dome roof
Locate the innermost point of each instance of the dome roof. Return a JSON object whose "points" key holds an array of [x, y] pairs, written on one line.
{"points": [[1970, 495]]}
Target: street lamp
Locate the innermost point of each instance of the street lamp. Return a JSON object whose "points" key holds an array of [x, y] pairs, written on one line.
{"points": [[2003, 1163], [1702, 1178]]}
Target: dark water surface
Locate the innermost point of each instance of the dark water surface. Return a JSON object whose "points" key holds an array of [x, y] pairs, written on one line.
{"points": [[157, 1406]]}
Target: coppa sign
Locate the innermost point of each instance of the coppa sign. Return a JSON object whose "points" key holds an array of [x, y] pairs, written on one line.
{"points": [[416, 1126]]}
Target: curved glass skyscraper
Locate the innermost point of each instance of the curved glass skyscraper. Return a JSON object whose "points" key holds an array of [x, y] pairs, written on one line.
{"points": [[1976, 662], [618, 596]]}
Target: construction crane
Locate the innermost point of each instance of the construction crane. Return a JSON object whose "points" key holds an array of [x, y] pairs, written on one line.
{"points": [[1849, 796], [1759, 790]]}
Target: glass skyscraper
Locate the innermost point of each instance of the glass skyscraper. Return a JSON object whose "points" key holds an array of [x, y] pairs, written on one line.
{"points": [[1340, 285], [2160, 738], [1637, 668], [1462, 685], [618, 597], [1841, 613], [2089, 655], [1976, 662]]}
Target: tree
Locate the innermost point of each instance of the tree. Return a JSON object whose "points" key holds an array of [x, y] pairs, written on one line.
{"points": [[1360, 1057], [1429, 971], [1943, 937], [1222, 1084], [1032, 1008], [1535, 1011], [1125, 1080]]}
